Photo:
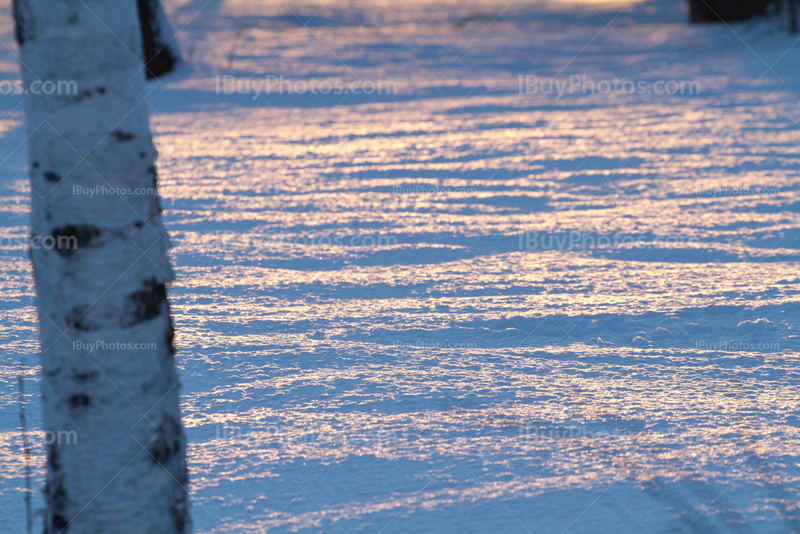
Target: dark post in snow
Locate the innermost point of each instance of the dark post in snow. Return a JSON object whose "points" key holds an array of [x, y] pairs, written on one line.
{"points": [[726, 10], [116, 453]]}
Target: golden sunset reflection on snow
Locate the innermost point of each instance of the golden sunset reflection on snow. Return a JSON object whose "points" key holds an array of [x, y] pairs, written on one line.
{"points": [[414, 312]]}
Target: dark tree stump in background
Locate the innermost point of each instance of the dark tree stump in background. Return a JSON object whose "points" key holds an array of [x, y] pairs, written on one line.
{"points": [[727, 10]]}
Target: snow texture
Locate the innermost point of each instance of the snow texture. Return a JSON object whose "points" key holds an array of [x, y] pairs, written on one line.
{"points": [[458, 308]]}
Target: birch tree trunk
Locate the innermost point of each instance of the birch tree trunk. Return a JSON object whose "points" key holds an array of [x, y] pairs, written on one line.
{"points": [[116, 463]]}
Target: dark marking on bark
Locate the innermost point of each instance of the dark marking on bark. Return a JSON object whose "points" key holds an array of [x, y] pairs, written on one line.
{"points": [[169, 441], [55, 494], [52, 374], [22, 22], [52, 458], [76, 318], [52, 177], [142, 155], [122, 136], [35, 165], [83, 377], [154, 173], [79, 401], [159, 57], [180, 518], [183, 476], [171, 338], [72, 237], [59, 522], [146, 303], [138, 224], [180, 509], [57, 502], [87, 93]]}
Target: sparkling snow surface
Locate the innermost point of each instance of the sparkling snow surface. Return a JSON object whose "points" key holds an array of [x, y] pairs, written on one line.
{"points": [[381, 327]]}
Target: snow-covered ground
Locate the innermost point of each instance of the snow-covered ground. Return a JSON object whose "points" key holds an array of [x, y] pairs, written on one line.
{"points": [[459, 308]]}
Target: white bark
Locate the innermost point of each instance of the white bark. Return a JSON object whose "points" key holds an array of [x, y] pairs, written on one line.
{"points": [[104, 285]]}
